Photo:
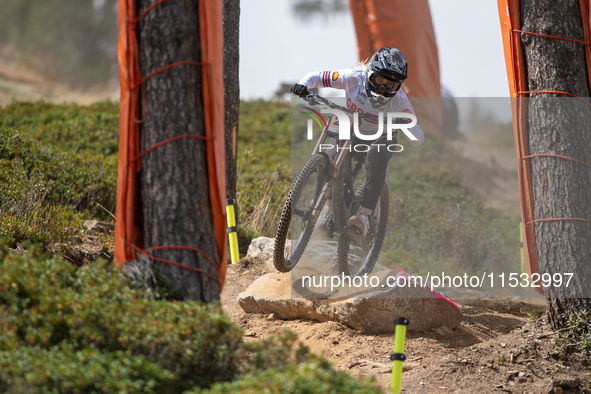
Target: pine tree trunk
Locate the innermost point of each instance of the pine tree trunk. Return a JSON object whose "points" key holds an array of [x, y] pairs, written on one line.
{"points": [[173, 177], [232, 90], [560, 125]]}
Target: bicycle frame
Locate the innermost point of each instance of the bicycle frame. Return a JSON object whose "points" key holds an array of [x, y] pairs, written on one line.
{"points": [[340, 170], [335, 177]]}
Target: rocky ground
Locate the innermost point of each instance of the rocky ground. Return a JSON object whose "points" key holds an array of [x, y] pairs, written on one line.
{"points": [[500, 346]]}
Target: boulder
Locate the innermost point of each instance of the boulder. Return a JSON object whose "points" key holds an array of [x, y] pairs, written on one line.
{"points": [[371, 309]]}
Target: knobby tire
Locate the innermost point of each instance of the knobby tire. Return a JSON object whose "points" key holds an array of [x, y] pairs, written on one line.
{"points": [[315, 163], [374, 252]]}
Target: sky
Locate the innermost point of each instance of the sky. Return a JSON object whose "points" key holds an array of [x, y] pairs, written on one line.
{"points": [[276, 46]]}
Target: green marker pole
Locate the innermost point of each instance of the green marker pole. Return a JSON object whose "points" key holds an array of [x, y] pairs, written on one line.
{"points": [[398, 356], [232, 230]]}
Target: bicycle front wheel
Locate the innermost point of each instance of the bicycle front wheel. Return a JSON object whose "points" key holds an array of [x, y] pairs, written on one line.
{"points": [[356, 256], [294, 223]]}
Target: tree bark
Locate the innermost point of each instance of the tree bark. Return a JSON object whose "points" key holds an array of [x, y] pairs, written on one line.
{"points": [[231, 90], [558, 124], [173, 177]]}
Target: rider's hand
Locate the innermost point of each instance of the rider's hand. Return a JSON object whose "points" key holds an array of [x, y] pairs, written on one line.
{"points": [[300, 90]]}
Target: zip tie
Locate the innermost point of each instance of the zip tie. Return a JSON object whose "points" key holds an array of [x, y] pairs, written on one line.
{"points": [[397, 357]]}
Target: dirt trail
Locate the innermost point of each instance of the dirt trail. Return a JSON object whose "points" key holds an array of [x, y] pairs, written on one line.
{"points": [[495, 349]]}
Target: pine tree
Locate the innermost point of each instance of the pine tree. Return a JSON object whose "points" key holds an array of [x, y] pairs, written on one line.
{"points": [[231, 90], [558, 124], [174, 184]]}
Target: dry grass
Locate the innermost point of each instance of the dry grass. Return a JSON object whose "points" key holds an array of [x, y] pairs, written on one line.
{"points": [[262, 201]]}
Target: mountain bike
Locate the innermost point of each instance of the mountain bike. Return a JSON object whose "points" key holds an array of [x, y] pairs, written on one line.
{"points": [[321, 178]]}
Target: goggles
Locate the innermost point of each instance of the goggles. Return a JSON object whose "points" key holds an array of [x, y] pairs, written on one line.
{"points": [[380, 83]]}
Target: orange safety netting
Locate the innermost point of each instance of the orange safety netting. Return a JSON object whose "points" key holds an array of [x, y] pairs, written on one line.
{"points": [[516, 73], [128, 227], [406, 25]]}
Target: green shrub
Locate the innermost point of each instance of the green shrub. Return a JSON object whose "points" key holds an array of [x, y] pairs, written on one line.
{"points": [[57, 164], [27, 166], [71, 330], [276, 365], [310, 377], [66, 369], [44, 193], [577, 332], [68, 128], [88, 315], [59, 161]]}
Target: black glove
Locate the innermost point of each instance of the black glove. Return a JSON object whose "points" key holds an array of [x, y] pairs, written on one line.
{"points": [[300, 90]]}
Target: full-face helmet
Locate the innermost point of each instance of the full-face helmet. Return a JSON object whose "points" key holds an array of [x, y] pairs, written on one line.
{"points": [[386, 73]]}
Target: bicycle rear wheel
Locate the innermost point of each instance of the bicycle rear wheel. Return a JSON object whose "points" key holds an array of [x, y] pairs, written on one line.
{"points": [[355, 256], [294, 223]]}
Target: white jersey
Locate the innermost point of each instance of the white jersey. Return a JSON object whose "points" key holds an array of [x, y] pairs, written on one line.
{"points": [[352, 81]]}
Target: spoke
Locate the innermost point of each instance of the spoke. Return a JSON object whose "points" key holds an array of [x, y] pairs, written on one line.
{"points": [[298, 212]]}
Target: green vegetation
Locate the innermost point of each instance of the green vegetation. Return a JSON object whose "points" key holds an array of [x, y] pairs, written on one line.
{"points": [[69, 128], [437, 222], [71, 330], [435, 218], [68, 329], [315, 376], [57, 164], [534, 313], [576, 334], [263, 164]]}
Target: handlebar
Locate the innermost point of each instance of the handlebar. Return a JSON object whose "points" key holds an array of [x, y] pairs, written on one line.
{"points": [[315, 99]]}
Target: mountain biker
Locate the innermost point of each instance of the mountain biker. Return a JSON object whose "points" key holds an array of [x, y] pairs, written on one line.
{"points": [[371, 88]]}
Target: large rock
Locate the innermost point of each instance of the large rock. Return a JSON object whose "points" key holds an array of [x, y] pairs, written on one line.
{"points": [[369, 309], [102, 227], [319, 257], [261, 249]]}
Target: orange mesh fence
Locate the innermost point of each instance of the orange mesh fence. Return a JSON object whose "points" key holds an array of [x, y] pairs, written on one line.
{"points": [[516, 72], [406, 25], [128, 227]]}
